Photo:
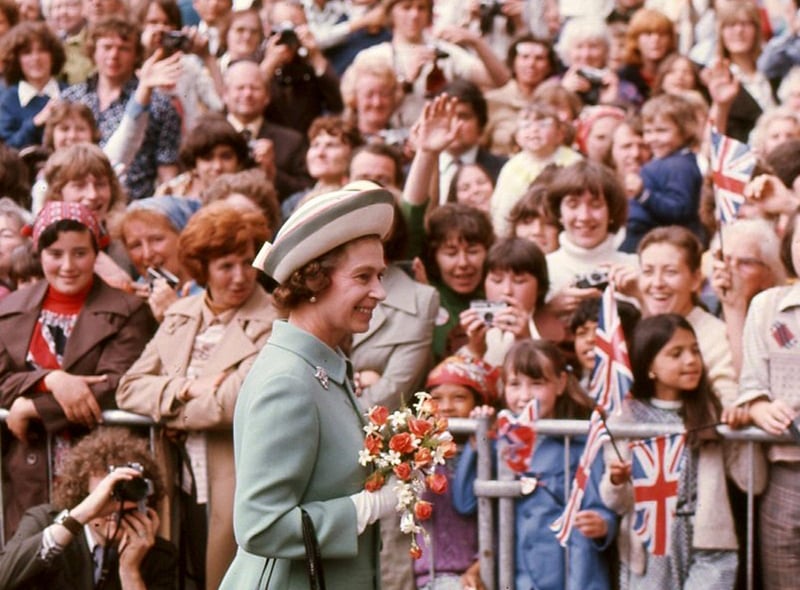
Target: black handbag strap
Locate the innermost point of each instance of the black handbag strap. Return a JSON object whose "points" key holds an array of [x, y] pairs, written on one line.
{"points": [[316, 578]]}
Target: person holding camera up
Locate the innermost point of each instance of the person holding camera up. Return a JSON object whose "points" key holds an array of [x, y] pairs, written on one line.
{"points": [[100, 530], [302, 84]]}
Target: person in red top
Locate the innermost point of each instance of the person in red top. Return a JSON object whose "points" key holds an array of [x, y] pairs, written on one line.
{"points": [[64, 344]]}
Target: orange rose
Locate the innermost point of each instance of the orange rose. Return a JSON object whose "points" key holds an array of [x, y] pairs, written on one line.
{"points": [[430, 406], [423, 510], [374, 482], [402, 471], [437, 483], [419, 427], [449, 449], [401, 443], [422, 457], [373, 443], [378, 415], [415, 552]]}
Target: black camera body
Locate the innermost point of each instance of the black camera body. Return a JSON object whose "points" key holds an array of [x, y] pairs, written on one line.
{"points": [[137, 489], [154, 273], [173, 41], [597, 279], [287, 35]]}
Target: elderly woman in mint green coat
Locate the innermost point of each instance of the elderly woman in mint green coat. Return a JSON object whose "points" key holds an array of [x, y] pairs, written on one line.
{"points": [[297, 425]]}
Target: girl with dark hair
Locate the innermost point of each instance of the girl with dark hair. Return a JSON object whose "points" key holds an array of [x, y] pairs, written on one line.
{"points": [[32, 56], [670, 387], [536, 370], [64, 344]]}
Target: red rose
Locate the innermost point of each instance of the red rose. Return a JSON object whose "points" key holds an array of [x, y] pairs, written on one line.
{"points": [[423, 457], [378, 415], [401, 443], [437, 483], [373, 443], [374, 482], [449, 449], [415, 552], [419, 427], [423, 510], [402, 471]]}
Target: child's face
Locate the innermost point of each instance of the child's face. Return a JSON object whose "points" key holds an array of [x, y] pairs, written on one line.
{"points": [[70, 131], [538, 231], [455, 401], [584, 344], [521, 389], [662, 136], [92, 191], [474, 187], [779, 131], [678, 366], [539, 137], [520, 289], [679, 77]]}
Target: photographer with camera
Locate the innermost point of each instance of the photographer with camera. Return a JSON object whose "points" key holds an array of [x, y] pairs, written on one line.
{"points": [[583, 48], [302, 84], [100, 530]]}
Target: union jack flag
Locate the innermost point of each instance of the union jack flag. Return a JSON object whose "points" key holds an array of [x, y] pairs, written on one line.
{"points": [[598, 434], [732, 164], [611, 378], [517, 436], [657, 464]]}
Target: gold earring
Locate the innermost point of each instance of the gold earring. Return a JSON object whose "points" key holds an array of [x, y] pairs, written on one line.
{"points": [[651, 375]]}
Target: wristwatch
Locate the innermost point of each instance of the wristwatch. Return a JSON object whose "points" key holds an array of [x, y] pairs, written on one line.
{"points": [[69, 522]]}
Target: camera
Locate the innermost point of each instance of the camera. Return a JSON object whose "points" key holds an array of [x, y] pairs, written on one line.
{"points": [[394, 137], [487, 310], [173, 41], [487, 10], [154, 273], [597, 279], [133, 490], [287, 35], [593, 75]]}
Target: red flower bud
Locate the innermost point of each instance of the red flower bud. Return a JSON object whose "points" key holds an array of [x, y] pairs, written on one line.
{"points": [[373, 443], [402, 471], [401, 443], [374, 482], [378, 415], [449, 449], [415, 552], [437, 483], [423, 510]]}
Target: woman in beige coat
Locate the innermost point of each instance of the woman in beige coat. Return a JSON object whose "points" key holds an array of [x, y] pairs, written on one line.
{"points": [[189, 376]]}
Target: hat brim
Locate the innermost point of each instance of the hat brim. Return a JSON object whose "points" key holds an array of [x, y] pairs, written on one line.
{"points": [[324, 223]]}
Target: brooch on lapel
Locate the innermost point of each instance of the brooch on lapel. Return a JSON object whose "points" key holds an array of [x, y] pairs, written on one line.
{"points": [[322, 376]]}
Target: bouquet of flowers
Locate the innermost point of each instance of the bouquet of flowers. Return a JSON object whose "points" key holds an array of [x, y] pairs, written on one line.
{"points": [[408, 443]]}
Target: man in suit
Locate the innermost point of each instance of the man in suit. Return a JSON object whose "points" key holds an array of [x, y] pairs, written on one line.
{"points": [[98, 539], [279, 150], [471, 110]]}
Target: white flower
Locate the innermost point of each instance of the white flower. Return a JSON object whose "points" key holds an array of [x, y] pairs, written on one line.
{"points": [[381, 462], [371, 428], [405, 495], [394, 458], [399, 418], [421, 396], [418, 486], [407, 523], [364, 457]]}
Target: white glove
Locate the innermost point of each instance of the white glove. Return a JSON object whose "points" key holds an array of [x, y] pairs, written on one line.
{"points": [[372, 506]]}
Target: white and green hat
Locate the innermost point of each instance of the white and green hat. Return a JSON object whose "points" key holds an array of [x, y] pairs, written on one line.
{"points": [[324, 222]]}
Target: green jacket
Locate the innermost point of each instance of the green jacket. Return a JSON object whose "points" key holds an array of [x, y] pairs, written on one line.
{"points": [[297, 431]]}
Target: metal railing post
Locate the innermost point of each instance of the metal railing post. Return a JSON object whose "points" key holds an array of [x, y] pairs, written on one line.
{"points": [[485, 508], [507, 524]]}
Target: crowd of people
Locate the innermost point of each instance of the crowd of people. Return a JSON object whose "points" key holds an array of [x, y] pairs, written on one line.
{"points": [[251, 221]]}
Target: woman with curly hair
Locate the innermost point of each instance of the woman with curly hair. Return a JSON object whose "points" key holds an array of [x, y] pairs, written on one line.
{"points": [[56, 544], [31, 56], [189, 375]]}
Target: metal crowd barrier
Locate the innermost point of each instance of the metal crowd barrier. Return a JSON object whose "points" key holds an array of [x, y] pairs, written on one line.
{"points": [[110, 418], [497, 554]]}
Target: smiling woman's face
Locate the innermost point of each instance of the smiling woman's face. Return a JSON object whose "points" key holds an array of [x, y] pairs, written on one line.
{"points": [[461, 264]]}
